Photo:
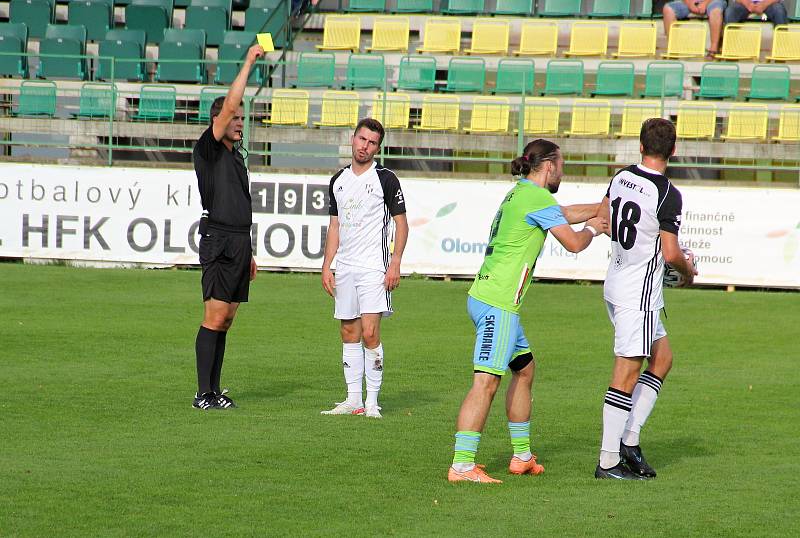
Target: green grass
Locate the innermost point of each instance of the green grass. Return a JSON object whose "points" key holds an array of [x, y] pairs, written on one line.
{"points": [[99, 439]]}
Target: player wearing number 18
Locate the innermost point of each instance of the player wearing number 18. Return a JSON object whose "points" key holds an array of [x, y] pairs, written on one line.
{"points": [[645, 216], [517, 235]]}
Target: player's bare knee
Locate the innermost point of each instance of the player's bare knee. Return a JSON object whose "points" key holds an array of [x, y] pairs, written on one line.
{"points": [[486, 382]]}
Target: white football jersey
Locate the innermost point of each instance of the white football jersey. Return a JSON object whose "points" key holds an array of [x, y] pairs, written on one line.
{"points": [[642, 202], [365, 206]]}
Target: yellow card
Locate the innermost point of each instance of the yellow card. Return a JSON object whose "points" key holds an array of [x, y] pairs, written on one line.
{"points": [[265, 40]]}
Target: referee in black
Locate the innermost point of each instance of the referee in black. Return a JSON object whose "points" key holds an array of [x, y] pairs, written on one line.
{"points": [[225, 251]]}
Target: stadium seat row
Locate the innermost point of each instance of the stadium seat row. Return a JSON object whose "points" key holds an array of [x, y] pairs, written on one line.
{"points": [[541, 115], [154, 16], [181, 55], [663, 78], [637, 39]]}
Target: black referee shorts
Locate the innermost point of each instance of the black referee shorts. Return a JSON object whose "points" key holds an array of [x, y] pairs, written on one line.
{"points": [[225, 258]]}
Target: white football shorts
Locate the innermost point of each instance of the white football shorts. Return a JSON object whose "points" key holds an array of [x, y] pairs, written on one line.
{"points": [[634, 330], [360, 291]]}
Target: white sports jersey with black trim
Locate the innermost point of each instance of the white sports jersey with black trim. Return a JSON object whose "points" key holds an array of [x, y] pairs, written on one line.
{"points": [[642, 202], [365, 206]]}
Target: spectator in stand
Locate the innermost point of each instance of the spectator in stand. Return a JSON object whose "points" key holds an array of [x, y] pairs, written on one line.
{"points": [[773, 10], [713, 9]]}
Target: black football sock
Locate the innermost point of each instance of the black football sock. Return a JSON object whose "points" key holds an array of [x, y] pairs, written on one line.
{"points": [[205, 349], [219, 355]]}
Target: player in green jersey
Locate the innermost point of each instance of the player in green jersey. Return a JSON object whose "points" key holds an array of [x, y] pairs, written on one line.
{"points": [[518, 231]]}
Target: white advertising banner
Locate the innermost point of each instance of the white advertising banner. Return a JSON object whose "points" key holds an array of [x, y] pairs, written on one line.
{"points": [[741, 236]]}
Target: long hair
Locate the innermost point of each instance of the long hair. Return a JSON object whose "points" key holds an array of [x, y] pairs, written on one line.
{"points": [[534, 154]]}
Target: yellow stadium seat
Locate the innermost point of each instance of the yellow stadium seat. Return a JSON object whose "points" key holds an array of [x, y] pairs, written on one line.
{"points": [[542, 115], [489, 36], [789, 125], [390, 33], [741, 42], [394, 112], [339, 109], [634, 113], [341, 32], [590, 117], [747, 122], [785, 43], [440, 113], [538, 38], [588, 38], [696, 119], [637, 39], [687, 40], [442, 34], [289, 107], [489, 115]]}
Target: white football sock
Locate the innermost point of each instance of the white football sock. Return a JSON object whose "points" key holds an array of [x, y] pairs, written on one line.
{"points": [[353, 365], [373, 370], [644, 399], [616, 409]]}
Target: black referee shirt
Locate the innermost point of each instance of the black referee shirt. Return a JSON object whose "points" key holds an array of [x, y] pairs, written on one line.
{"points": [[223, 182]]}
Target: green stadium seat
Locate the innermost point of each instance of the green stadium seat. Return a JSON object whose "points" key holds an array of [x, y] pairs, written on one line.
{"points": [[560, 8], [96, 15], [615, 78], [189, 48], [366, 71], [466, 75], [125, 46], [563, 77], [182, 3], [796, 16], [60, 40], [365, 6], [414, 6], [463, 7], [417, 73], [268, 16], [770, 82], [36, 14], [152, 16], [647, 11], [610, 9], [207, 97], [719, 80], [514, 7], [316, 69], [14, 41], [156, 102], [37, 98], [515, 76], [213, 16], [664, 78], [234, 49], [97, 100]]}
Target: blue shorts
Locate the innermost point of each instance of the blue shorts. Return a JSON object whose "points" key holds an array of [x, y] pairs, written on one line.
{"points": [[682, 12], [498, 337]]}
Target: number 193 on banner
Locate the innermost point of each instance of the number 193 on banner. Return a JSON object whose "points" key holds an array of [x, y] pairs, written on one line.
{"points": [[289, 198]]}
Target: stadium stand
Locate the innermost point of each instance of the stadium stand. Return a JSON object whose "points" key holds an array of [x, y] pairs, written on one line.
{"points": [[614, 78], [207, 96], [127, 48], [635, 113], [392, 110], [538, 38], [564, 77], [37, 98], [636, 40], [463, 7], [97, 16], [747, 121], [515, 76], [610, 9], [442, 35], [789, 124], [212, 16], [368, 6], [180, 56], [770, 82], [696, 120], [62, 52], [687, 40], [588, 38], [664, 78], [97, 100], [560, 8], [785, 43], [230, 55], [316, 69], [590, 117], [741, 42], [514, 7], [365, 71], [14, 45], [289, 107], [489, 36], [341, 33], [542, 116], [339, 109], [417, 73], [156, 103], [152, 16], [466, 75], [719, 81], [489, 115], [35, 14], [414, 6], [440, 113], [389, 34]]}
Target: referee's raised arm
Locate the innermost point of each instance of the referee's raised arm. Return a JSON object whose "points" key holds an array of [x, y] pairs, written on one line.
{"points": [[234, 98]]}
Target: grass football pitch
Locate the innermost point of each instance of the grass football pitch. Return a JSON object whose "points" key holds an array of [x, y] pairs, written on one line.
{"points": [[99, 437]]}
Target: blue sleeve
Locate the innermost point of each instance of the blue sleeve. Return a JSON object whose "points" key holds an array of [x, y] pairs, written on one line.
{"points": [[546, 218]]}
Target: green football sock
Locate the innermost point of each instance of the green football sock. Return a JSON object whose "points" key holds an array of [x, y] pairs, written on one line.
{"points": [[466, 446], [520, 437]]}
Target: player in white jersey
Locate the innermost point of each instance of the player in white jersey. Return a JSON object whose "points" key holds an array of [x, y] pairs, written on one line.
{"points": [[366, 202], [644, 212]]}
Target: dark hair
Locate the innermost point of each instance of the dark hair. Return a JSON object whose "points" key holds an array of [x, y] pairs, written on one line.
{"points": [[373, 125], [216, 108], [535, 153], [658, 138]]}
